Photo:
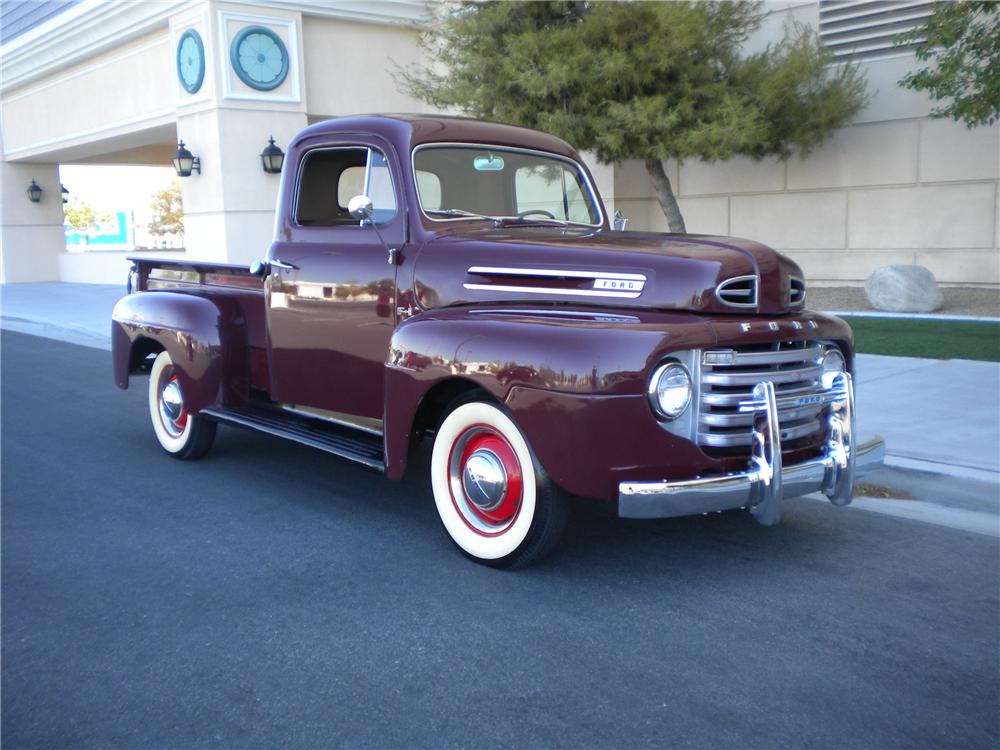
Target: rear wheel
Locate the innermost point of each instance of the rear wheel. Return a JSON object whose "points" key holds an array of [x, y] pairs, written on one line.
{"points": [[493, 498], [181, 434]]}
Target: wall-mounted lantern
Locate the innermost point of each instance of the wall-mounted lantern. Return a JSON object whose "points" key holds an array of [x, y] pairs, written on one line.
{"points": [[65, 192], [185, 162], [34, 192], [272, 157]]}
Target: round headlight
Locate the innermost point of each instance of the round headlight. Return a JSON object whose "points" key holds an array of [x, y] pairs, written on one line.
{"points": [[670, 390], [833, 360]]}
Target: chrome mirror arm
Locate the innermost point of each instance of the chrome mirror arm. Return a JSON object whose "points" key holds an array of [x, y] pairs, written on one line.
{"points": [[360, 207]]}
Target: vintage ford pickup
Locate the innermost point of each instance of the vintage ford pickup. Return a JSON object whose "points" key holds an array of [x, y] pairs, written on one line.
{"points": [[460, 281]]}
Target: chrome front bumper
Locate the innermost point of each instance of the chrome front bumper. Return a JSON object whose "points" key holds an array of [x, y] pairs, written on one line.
{"points": [[765, 483]]}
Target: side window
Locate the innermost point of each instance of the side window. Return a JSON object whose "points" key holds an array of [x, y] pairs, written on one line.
{"points": [[331, 177]]}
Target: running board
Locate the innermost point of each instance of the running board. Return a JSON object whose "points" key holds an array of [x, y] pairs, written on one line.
{"points": [[345, 442]]}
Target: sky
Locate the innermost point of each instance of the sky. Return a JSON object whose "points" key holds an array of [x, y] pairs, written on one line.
{"points": [[112, 188]]}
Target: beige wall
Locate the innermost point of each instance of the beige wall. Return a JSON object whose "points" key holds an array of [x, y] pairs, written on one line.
{"points": [[349, 66], [94, 268], [895, 186], [126, 89], [31, 234], [906, 191]]}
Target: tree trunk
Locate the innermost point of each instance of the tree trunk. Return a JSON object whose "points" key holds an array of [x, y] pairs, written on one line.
{"points": [[665, 194]]}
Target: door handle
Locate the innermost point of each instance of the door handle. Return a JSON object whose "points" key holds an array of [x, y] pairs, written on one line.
{"points": [[275, 263]]}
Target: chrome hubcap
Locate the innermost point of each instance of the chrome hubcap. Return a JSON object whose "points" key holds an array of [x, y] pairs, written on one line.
{"points": [[173, 415], [484, 479], [172, 401]]}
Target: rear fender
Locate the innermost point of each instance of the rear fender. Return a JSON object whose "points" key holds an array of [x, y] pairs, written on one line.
{"points": [[205, 337]]}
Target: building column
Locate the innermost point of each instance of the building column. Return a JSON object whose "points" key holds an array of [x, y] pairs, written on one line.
{"points": [[229, 207], [31, 234]]}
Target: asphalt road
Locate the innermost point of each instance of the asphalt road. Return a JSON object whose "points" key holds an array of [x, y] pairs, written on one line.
{"points": [[274, 596]]}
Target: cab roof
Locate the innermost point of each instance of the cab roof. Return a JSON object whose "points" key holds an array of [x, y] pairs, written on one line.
{"points": [[407, 131]]}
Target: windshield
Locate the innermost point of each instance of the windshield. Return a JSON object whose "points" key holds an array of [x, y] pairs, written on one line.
{"points": [[502, 184]]}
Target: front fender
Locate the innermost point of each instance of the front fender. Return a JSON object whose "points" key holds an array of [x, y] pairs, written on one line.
{"points": [[581, 352], [205, 337]]}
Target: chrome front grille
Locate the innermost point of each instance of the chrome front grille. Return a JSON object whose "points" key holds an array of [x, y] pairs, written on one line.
{"points": [[728, 376]]}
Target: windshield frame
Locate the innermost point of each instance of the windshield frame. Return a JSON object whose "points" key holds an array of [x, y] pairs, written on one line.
{"points": [[472, 145]]}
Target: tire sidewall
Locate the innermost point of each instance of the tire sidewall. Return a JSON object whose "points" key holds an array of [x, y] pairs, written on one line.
{"points": [[167, 441], [496, 547]]}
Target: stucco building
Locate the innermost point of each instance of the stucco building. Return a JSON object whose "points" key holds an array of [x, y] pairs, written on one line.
{"points": [[113, 82]]}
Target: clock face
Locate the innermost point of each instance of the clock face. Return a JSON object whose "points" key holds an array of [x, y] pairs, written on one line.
{"points": [[190, 61], [259, 58]]}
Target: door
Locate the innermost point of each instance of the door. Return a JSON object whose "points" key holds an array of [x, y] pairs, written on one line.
{"points": [[331, 293]]}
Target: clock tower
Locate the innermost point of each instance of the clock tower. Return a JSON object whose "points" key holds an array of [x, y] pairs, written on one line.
{"points": [[240, 81]]}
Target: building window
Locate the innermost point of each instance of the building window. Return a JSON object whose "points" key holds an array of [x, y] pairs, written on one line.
{"points": [[865, 29]]}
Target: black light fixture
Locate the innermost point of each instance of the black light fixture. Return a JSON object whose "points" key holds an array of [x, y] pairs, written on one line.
{"points": [[185, 162], [272, 157], [65, 192], [34, 192]]}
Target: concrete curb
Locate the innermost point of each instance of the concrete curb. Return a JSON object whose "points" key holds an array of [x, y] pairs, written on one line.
{"points": [[949, 470], [911, 316]]}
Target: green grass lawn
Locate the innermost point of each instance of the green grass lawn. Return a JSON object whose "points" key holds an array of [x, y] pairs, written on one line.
{"points": [[936, 339]]}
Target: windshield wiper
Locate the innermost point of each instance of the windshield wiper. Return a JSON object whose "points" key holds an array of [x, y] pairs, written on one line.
{"points": [[460, 212], [510, 221], [505, 221]]}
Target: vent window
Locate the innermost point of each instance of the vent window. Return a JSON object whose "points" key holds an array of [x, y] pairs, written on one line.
{"points": [[738, 292], [865, 29]]}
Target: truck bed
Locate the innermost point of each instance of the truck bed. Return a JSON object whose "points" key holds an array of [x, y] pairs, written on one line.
{"points": [[233, 282]]}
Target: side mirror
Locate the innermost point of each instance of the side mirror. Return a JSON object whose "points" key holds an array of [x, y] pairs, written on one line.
{"points": [[258, 268], [360, 207], [619, 222]]}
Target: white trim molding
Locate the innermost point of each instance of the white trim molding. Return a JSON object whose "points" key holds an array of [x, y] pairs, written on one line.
{"points": [[391, 12], [79, 34]]}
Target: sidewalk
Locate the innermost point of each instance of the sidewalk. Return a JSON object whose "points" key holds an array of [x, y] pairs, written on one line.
{"points": [[939, 416], [77, 313]]}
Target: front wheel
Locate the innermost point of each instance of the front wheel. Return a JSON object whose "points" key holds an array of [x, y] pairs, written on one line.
{"points": [[493, 498], [181, 434]]}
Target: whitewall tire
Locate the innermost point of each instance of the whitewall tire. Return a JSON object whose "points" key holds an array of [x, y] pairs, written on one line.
{"points": [[493, 498], [180, 433]]}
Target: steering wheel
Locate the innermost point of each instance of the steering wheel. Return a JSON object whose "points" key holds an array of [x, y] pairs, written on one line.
{"points": [[530, 211]]}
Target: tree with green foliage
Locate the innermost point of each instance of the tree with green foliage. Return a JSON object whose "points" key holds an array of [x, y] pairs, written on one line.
{"points": [[638, 80], [961, 41], [81, 217], [168, 212]]}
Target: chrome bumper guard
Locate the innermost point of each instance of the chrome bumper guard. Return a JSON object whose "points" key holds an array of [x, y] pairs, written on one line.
{"points": [[765, 483]]}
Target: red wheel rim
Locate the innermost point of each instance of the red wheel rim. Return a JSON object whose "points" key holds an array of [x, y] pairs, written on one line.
{"points": [[492, 506]]}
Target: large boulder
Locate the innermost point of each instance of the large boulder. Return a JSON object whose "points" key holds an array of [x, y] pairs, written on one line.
{"points": [[903, 289]]}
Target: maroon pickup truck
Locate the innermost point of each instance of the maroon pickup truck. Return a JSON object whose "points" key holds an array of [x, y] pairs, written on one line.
{"points": [[460, 281]]}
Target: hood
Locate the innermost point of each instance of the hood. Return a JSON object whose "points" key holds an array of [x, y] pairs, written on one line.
{"points": [[533, 264]]}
